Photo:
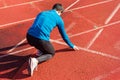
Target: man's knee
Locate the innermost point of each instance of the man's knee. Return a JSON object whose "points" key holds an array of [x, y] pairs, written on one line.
{"points": [[49, 56]]}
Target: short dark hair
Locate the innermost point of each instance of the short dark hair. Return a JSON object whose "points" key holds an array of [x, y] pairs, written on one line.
{"points": [[58, 7]]}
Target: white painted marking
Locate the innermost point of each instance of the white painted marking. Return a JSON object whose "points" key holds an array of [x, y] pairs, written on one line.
{"points": [[112, 14], [63, 43], [16, 52], [70, 26], [2, 26], [8, 24], [9, 70], [81, 33], [89, 5], [117, 45], [103, 76], [8, 62], [72, 4], [4, 3], [93, 40], [34, 6], [20, 4], [17, 45], [100, 53], [91, 51], [88, 20]]}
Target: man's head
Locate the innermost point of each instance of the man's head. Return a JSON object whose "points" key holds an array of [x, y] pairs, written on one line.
{"points": [[58, 7]]}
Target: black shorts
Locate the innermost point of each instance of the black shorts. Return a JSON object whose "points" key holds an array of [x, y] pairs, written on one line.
{"points": [[45, 46]]}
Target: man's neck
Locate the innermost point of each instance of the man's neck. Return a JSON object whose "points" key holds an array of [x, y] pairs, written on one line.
{"points": [[58, 13]]}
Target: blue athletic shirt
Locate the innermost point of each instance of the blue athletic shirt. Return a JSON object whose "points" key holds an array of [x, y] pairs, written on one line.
{"points": [[44, 23]]}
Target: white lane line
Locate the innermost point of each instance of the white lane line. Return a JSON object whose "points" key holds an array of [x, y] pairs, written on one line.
{"points": [[88, 20], [81, 33], [93, 40], [107, 25], [78, 33], [91, 51], [70, 26], [17, 22], [20, 4], [72, 4], [90, 5], [4, 3], [112, 14], [8, 62], [103, 76], [17, 45], [22, 50], [16, 52], [8, 70], [34, 6], [63, 43]]}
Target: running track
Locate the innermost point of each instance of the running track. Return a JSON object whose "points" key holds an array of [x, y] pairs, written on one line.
{"points": [[92, 25]]}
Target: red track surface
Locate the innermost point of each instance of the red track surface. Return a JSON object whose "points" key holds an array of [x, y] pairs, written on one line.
{"points": [[92, 25]]}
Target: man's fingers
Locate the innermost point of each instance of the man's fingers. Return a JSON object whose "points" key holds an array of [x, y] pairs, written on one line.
{"points": [[76, 48]]}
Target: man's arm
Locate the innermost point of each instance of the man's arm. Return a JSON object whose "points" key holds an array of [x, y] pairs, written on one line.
{"points": [[65, 36]]}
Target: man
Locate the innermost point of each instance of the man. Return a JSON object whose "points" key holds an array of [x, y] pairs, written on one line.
{"points": [[39, 35]]}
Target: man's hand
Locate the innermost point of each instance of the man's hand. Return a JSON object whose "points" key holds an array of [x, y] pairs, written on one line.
{"points": [[75, 48]]}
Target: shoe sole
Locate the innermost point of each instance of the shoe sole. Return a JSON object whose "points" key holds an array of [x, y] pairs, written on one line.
{"points": [[30, 67]]}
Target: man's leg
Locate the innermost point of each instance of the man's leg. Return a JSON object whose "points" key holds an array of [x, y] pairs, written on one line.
{"points": [[33, 62], [44, 57], [39, 53], [47, 52]]}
